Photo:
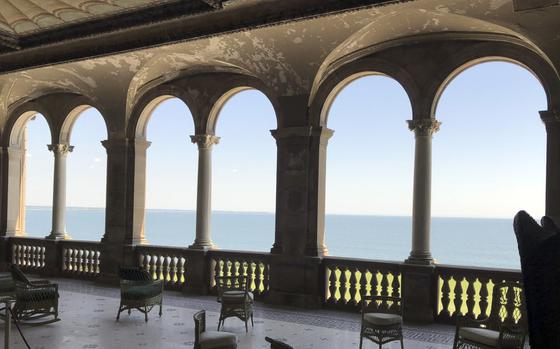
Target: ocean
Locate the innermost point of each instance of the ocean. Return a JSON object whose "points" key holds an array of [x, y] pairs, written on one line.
{"points": [[480, 242]]}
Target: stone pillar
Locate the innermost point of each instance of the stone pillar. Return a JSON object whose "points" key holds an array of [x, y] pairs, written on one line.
{"points": [[59, 191], [421, 206], [551, 119], [296, 276], [204, 191], [139, 214]]}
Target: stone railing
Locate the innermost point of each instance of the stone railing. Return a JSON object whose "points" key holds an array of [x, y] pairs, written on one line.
{"points": [[467, 290], [165, 263], [80, 259], [30, 254], [346, 279], [256, 266]]}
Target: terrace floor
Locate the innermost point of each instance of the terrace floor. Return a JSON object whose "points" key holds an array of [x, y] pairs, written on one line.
{"points": [[88, 314]]}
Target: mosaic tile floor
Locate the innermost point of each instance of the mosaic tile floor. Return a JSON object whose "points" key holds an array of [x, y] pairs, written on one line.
{"points": [[88, 314]]}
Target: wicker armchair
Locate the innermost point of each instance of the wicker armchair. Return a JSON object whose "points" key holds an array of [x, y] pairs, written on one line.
{"points": [[211, 339], [139, 291], [381, 320], [35, 300], [237, 301], [504, 328]]}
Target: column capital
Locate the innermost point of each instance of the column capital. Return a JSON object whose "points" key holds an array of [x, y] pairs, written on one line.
{"points": [[62, 149], [550, 117], [424, 127], [303, 131], [205, 141]]}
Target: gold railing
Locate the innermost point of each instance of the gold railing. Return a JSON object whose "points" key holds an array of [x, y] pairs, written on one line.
{"points": [[347, 279], [468, 290], [256, 266]]}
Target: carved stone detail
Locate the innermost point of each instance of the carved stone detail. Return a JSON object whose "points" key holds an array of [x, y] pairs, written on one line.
{"points": [[550, 117], [424, 127], [205, 141], [60, 148]]}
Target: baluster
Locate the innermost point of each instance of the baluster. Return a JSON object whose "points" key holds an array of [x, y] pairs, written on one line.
{"points": [[353, 286], [97, 257], [332, 284], [152, 268], [217, 269], [81, 261], [445, 296], [265, 277], [363, 283], [343, 285], [14, 254], [43, 256], [173, 270], [181, 277], [87, 261], [510, 304], [471, 297], [458, 301], [229, 268], [141, 259], [71, 264], [396, 286], [384, 283], [251, 276], [165, 268], [483, 297], [25, 256]]}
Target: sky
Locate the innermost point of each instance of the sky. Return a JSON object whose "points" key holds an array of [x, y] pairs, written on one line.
{"points": [[488, 157]]}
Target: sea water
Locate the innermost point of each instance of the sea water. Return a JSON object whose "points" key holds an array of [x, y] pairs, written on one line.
{"points": [[458, 241]]}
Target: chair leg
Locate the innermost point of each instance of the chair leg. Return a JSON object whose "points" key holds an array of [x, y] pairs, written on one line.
{"points": [[160, 310], [246, 327], [119, 312], [146, 314], [219, 322], [361, 340], [252, 322], [402, 343]]}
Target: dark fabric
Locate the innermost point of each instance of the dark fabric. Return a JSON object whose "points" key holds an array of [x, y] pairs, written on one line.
{"points": [[276, 344], [539, 250], [133, 274], [143, 292]]}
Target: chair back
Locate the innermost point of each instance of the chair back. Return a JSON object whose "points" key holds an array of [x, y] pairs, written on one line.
{"points": [[276, 344], [231, 283], [134, 274], [508, 306], [381, 304], [7, 286], [18, 275], [199, 326]]}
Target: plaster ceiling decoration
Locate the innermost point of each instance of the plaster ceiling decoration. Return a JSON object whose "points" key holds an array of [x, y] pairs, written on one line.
{"points": [[20, 17]]}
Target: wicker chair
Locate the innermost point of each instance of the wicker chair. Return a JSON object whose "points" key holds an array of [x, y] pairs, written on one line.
{"points": [[504, 328], [276, 344], [139, 291], [237, 301], [381, 320], [35, 300], [211, 339]]}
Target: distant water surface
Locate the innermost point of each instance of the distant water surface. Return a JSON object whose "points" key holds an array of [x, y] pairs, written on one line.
{"points": [[458, 241]]}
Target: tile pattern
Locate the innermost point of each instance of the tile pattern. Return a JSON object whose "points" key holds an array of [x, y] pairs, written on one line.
{"points": [[88, 314]]}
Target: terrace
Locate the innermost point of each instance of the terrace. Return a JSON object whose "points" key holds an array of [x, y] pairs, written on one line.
{"points": [[125, 64]]}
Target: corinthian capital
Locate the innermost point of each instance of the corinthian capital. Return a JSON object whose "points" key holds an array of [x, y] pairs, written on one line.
{"points": [[424, 127], [205, 141], [62, 149]]}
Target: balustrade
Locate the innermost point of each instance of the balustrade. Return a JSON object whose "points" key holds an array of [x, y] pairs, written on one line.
{"points": [[468, 290], [30, 253], [165, 263], [348, 279], [256, 266], [80, 259]]}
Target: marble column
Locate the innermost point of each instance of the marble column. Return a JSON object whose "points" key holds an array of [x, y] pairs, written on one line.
{"points": [[551, 119], [59, 191], [204, 191], [421, 206]]}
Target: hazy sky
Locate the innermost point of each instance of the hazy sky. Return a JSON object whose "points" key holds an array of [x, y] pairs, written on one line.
{"points": [[488, 158]]}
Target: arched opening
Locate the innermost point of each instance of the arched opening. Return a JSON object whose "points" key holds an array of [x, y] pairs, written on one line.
{"points": [[369, 169], [244, 172], [489, 162], [171, 172], [30, 180], [84, 129]]}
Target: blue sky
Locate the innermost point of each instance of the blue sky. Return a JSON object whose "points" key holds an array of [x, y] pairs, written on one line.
{"points": [[488, 158]]}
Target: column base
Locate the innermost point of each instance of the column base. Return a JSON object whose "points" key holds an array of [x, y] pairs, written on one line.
{"points": [[203, 246], [58, 236], [420, 259]]}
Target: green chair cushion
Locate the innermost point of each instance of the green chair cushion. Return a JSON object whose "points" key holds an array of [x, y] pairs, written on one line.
{"points": [[215, 339], [382, 319], [234, 296], [142, 292], [480, 335]]}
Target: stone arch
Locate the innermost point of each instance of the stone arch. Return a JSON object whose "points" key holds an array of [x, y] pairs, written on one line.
{"points": [[485, 52], [339, 79], [18, 118]]}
